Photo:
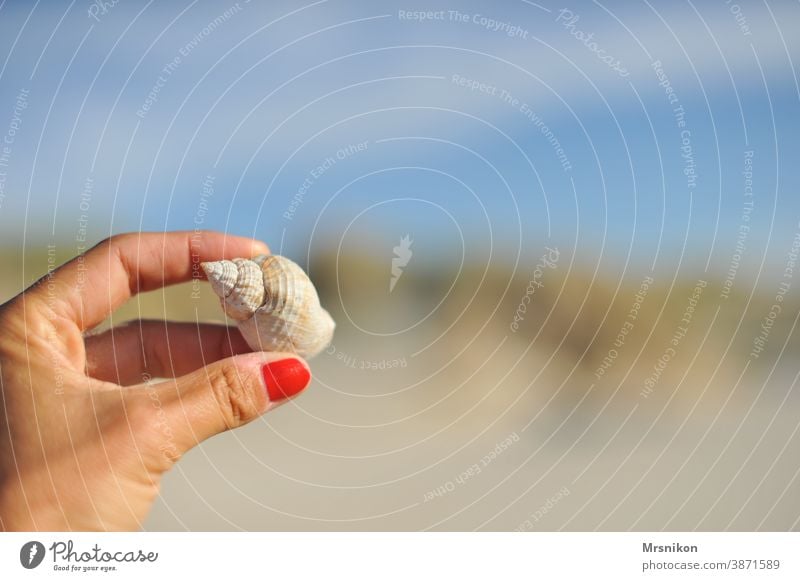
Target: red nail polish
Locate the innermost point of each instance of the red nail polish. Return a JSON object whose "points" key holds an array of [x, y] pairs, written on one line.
{"points": [[285, 378]]}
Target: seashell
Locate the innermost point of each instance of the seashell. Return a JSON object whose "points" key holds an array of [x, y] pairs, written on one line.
{"points": [[273, 302]]}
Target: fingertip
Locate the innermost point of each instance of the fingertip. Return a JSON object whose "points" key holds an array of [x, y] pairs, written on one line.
{"points": [[258, 247], [283, 375]]}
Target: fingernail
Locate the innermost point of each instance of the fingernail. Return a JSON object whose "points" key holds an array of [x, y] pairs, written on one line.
{"points": [[285, 378]]}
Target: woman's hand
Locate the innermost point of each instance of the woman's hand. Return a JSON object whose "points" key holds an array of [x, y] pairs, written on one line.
{"points": [[84, 434]]}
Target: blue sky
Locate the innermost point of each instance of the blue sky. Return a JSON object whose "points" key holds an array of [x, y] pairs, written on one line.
{"points": [[263, 97]]}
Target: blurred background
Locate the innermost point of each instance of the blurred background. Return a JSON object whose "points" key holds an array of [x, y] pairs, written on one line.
{"points": [[559, 241]]}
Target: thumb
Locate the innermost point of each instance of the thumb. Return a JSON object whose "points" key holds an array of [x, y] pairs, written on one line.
{"points": [[227, 394]]}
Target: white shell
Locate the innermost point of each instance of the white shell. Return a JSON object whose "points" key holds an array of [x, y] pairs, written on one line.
{"points": [[274, 302]]}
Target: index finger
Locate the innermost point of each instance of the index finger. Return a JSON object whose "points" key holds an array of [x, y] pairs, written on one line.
{"points": [[93, 285]]}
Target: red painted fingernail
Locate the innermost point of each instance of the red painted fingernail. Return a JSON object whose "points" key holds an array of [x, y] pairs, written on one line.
{"points": [[285, 378]]}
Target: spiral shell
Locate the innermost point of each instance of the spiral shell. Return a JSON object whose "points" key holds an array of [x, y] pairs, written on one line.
{"points": [[274, 303]]}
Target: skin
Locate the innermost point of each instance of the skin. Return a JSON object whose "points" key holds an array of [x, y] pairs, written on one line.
{"points": [[85, 435]]}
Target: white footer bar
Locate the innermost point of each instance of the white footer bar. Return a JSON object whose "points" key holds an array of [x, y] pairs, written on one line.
{"points": [[415, 556]]}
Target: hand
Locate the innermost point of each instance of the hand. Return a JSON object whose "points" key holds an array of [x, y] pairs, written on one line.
{"points": [[78, 451]]}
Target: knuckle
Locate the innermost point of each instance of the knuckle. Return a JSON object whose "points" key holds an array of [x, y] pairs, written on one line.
{"points": [[117, 239], [26, 325], [233, 398], [115, 244], [107, 243], [146, 429], [10, 315]]}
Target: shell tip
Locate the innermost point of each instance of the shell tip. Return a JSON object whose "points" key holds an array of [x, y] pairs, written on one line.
{"points": [[222, 276]]}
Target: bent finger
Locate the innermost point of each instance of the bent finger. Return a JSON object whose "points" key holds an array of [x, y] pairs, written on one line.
{"points": [[94, 284], [131, 353]]}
